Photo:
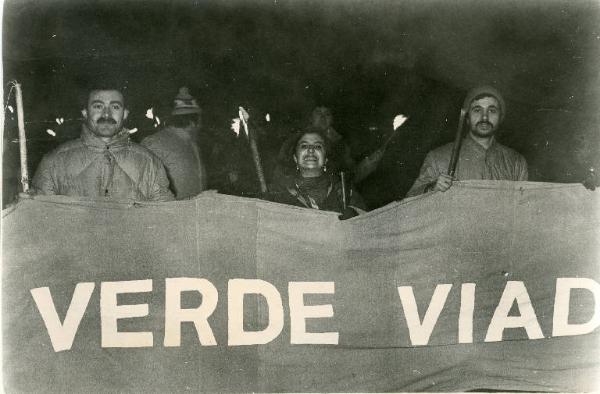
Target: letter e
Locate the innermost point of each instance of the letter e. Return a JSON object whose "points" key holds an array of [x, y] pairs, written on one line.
{"points": [[300, 312], [110, 312]]}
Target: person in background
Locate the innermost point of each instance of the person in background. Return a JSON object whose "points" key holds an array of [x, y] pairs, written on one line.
{"points": [[481, 156], [177, 147], [103, 161], [313, 185]]}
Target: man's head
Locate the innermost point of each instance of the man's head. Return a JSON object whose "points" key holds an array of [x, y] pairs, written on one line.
{"points": [[105, 113], [485, 110], [186, 111], [321, 118]]}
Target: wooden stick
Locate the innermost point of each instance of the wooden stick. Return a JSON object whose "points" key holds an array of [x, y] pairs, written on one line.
{"points": [[457, 143], [343, 180], [255, 153], [22, 138]]}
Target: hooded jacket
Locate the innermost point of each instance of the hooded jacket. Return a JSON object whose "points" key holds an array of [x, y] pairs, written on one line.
{"points": [[90, 167]]}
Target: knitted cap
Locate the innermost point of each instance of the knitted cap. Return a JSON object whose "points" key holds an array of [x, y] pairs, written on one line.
{"points": [[185, 103], [485, 91]]}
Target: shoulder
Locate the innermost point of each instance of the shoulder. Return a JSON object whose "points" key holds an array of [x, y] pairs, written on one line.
{"points": [[439, 155], [141, 153], [155, 139], [513, 154], [65, 150], [442, 151]]}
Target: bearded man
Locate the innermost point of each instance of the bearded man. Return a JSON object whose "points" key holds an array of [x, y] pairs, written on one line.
{"points": [[481, 156]]}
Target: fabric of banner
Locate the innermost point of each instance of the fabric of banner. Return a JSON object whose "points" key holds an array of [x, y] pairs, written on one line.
{"points": [[492, 234]]}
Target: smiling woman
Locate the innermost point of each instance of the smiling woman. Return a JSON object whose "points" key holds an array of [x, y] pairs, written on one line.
{"points": [[312, 186]]}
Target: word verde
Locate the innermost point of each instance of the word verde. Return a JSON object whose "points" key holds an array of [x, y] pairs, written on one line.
{"points": [[62, 334]]}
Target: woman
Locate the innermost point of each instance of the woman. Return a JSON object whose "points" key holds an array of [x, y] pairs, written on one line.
{"points": [[312, 186]]}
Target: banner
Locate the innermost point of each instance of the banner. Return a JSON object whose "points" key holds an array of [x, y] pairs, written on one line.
{"points": [[491, 285]]}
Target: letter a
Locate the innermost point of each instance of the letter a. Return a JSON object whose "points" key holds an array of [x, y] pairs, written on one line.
{"points": [[514, 291], [63, 334], [420, 332]]}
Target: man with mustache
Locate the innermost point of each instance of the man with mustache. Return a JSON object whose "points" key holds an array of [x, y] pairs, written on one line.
{"points": [[103, 162], [481, 156]]}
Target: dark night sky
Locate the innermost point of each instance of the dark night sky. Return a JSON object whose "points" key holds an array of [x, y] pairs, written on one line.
{"points": [[367, 60]]}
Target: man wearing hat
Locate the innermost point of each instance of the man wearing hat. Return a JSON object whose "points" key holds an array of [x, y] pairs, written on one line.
{"points": [[177, 147], [480, 156]]}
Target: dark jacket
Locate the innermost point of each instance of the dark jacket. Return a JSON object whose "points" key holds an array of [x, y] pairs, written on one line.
{"points": [[323, 193]]}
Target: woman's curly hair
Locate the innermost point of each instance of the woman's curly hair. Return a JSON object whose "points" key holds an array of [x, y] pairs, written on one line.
{"points": [[289, 146]]}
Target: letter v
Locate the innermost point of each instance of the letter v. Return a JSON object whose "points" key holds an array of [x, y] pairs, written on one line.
{"points": [[63, 334], [420, 332]]}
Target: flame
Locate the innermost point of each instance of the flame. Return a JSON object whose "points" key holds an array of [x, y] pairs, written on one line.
{"points": [[399, 120], [268, 117], [235, 125], [11, 109], [131, 131], [51, 132], [150, 113]]}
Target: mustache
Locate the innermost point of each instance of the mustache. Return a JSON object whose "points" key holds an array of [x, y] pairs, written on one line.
{"points": [[106, 121], [483, 122]]}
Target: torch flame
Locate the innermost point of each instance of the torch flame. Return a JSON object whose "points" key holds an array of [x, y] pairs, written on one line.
{"points": [[399, 120], [235, 125]]}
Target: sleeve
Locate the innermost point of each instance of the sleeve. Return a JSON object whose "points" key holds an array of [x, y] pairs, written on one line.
{"points": [[157, 182], [522, 171], [43, 181], [429, 174], [356, 201]]}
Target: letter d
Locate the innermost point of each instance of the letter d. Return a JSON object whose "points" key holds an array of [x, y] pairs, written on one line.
{"points": [[562, 301], [236, 290]]}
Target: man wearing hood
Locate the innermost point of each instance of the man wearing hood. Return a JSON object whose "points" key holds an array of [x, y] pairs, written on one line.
{"points": [[481, 156], [103, 162]]}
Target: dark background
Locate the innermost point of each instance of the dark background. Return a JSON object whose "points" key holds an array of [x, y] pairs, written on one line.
{"points": [[367, 60]]}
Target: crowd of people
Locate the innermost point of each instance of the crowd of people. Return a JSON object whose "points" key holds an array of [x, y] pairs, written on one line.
{"points": [[313, 169]]}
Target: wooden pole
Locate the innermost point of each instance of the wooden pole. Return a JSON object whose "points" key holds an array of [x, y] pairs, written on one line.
{"points": [[457, 143], [255, 153], [344, 199], [22, 138]]}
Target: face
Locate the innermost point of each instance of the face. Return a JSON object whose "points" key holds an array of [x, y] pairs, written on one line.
{"points": [[105, 113], [321, 118], [484, 116], [310, 155]]}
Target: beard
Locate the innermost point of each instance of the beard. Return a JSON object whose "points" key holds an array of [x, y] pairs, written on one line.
{"points": [[488, 131]]}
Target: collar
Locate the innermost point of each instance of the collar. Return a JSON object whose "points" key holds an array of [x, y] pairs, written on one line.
{"points": [[89, 139], [476, 145]]}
